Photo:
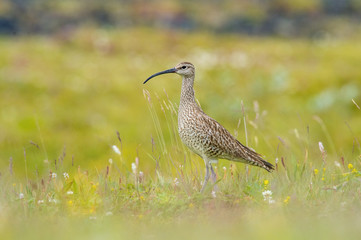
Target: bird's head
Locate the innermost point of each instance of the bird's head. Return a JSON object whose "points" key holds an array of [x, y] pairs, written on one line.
{"points": [[183, 69]]}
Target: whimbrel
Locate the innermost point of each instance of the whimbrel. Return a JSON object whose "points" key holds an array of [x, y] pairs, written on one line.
{"points": [[204, 135]]}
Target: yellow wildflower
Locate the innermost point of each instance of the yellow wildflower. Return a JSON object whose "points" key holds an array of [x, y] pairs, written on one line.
{"points": [[315, 171], [287, 200], [141, 198], [265, 182], [323, 178], [350, 166], [191, 205], [354, 170], [70, 203]]}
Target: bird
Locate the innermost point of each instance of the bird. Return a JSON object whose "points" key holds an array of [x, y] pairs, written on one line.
{"points": [[204, 135]]}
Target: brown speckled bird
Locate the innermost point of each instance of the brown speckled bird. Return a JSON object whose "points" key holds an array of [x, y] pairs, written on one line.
{"points": [[204, 135]]}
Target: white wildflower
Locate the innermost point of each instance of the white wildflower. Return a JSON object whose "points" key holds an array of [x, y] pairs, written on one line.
{"points": [[70, 192], [134, 168], [66, 175], [110, 161], [214, 194], [92, 218], [267, 196], [21, 195], [53, 200], [53, 175], [176, 182], [116, 150], [224, 168], [320, 145], [337, 164], [267, 193], [108, 213], [40, 201], [137, 161]]}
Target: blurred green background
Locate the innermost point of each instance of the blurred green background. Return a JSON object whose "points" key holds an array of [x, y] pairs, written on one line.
{"points": [[71, 75]]}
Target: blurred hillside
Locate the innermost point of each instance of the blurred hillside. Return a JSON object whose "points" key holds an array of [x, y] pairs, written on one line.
{"points": [[72, 74], [310, 18]]}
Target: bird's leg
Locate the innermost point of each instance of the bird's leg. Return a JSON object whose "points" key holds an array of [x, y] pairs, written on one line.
{"points": [[214, 179], [206, 178]]}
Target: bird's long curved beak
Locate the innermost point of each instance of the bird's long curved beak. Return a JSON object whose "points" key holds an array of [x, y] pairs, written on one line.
{"points": [[172, 70]]}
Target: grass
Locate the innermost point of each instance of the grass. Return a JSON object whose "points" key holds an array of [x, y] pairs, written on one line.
{"points": [[87, 151]]}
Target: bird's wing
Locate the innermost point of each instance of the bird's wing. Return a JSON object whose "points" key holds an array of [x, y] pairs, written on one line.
{"points": [[228, 147]]}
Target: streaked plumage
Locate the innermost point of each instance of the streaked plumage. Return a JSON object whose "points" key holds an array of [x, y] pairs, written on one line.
{"points": [[204, 135]]}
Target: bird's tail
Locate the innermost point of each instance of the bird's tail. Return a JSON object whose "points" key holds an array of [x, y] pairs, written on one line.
{"points": [[255, 159]]}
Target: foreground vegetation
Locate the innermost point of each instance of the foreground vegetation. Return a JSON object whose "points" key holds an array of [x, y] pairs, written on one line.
{"points": [[87, 152]]}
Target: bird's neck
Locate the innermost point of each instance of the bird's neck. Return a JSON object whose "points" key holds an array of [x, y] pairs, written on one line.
{"points": [[187, 92]]}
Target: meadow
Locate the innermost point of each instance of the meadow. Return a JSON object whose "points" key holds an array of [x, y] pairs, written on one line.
{"points": [[89, 152]]}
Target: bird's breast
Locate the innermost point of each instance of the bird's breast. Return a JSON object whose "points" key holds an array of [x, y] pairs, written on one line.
{"points": [[196, 135], [188, 129]]}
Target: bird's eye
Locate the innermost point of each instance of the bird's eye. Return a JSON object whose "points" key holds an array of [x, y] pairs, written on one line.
{"points": [[184, 67]]}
